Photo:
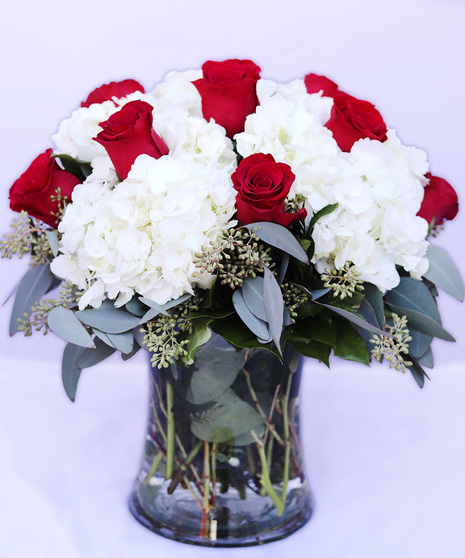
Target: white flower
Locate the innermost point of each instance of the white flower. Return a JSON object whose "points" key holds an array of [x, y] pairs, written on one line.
{"points": [[141, 236]]}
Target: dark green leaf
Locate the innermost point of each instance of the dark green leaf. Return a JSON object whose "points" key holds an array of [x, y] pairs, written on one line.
{"points": [[279, 237], [123, 342], [313, 349], [136, 307], [349, 344], [322, 213], [32, 287], [444, 273], [355, 319], [80, 169], [283, 266], [64, 323], [70, 371], [418, 373]]}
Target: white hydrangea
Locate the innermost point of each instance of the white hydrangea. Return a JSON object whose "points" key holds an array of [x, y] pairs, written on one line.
{"points": [[378, 186], [177, 90], [142, 235]]}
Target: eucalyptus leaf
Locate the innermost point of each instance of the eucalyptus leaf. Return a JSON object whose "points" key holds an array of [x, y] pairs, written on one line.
{"points": [[419, 344], [64, 323], [443, 272], [108, 319], [423, 323], [139, 338], [103, 337], [136, 307], [175, 302], [214, 371], [279, 237], [91, 357], [53, 241], [374, 297], [415, 295], [70, 371], [150, 315], [427, 359], [256, 326], [154, 305], [283, 266], [417, 372], [123, 342], [32, 287], [274, 306], [252, 293], [229, 418]]}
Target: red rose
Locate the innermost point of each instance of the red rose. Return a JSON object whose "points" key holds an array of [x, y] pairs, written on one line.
{"points": [[117, 89], [228, 91], [262, 186], [352, 119], [128, 133], [315, 83], [439, 202], [33, 190]]}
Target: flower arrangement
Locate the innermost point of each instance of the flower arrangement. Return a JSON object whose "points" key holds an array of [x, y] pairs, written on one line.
{"points": [[256, 209], [274, 216]]}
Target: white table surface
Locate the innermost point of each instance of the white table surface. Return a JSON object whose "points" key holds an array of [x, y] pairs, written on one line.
{"points": [[386, 460]]}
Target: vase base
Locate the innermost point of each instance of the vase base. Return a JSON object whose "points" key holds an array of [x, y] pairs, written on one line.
{"points": [[245, 526]]}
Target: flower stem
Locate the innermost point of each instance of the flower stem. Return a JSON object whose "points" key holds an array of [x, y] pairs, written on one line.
{"points": [[154, 467], [287, 438], [265, 479], [169, 431]]}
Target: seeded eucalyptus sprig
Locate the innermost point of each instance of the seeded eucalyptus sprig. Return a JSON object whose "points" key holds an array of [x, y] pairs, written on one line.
{"points": [[28, 236]]}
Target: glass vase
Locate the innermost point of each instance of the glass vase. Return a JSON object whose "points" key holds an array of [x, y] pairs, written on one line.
{"points": [[223, 463]]}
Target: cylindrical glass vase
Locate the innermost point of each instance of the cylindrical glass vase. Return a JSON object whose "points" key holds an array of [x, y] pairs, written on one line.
{"points": [[223, 463]]}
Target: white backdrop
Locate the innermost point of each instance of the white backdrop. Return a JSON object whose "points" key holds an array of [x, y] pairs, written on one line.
{"points": [[384, 458]]}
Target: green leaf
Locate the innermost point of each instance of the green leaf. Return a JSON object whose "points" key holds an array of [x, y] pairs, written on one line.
{"points": [[123, 342], [274, 306], [413, 294], [229, 418], [177, 301], [199, 336], [256, 326], [64, 323], [70, 371], [91, 357], [215, 369], [355, 319], [444, 273], [32, 287], [279, 237], [349, 345], [80, 169], [423, 323], [108, 319], [313, 349], [233, 330], [322, 213], [320, 329]]}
